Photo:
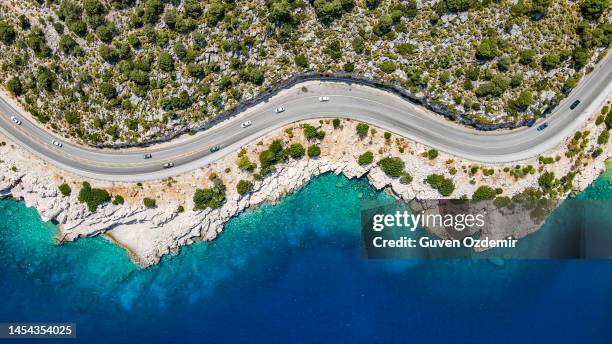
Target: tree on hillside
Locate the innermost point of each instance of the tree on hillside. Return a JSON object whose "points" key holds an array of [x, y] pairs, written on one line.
{"points": [[592, 9], [7, 33]]}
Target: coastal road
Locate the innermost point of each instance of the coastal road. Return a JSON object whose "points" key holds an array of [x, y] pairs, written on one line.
{"points": [[363, 103]]}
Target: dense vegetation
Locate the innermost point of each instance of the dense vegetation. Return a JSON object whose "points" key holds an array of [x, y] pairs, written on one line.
{"points": [[125, 70]]}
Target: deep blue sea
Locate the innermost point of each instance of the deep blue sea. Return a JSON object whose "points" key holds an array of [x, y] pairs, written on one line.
{"points": [[293, 272]]}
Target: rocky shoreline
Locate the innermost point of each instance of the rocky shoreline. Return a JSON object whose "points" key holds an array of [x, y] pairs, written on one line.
{"points": [[150, 233]]}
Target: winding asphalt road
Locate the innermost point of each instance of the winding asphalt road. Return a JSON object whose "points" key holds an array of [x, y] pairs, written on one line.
{"points": [[358, 102]]}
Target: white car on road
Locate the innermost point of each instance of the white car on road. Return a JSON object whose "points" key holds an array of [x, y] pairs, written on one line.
{"points": [[14, 119], [323, 98], [246, 124], [279, 109], [56, 143]]}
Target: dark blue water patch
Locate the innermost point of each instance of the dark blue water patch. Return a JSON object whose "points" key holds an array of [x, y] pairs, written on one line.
{"points": [[294, 272]]}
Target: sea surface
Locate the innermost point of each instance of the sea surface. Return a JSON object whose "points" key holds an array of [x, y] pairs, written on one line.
{"points": [[293, 272]]}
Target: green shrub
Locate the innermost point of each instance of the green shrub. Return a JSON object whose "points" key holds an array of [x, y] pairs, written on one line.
{"points": [[405, 49], [244, 186], [118, 200], [65, 189], [487, 49], [523, 101], [329, 10], [496, 87], [309, 131], [269, 157], [445, 186], [432, 154], [393, 167], [93, 197], [46, 80], [108, 90], [603, 138], [406, 178], [592, 9], [597, 152], [334, 50], [348, 67], [314, 151], [296, 150], [7, 33], [366, 158], [165, 62], [502, 201], [387, 67], [547, 181], [301, 61], [336, 123], [358, 45], [196, 70], [245, 164], [383, 26], [362, 129], [484, 193], [78, 27], [209, 198], [600, 119], [551, 61], [149, 202], [36, 41], [14, 86], [527, 56], [215, 13]]}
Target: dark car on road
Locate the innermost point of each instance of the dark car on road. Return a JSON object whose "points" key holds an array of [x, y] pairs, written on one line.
{"points": [[543, 126], [214, 148], [574, 104]]}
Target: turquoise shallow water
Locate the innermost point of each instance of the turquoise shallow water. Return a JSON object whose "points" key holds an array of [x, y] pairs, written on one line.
{"points": [[293, 271]]}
